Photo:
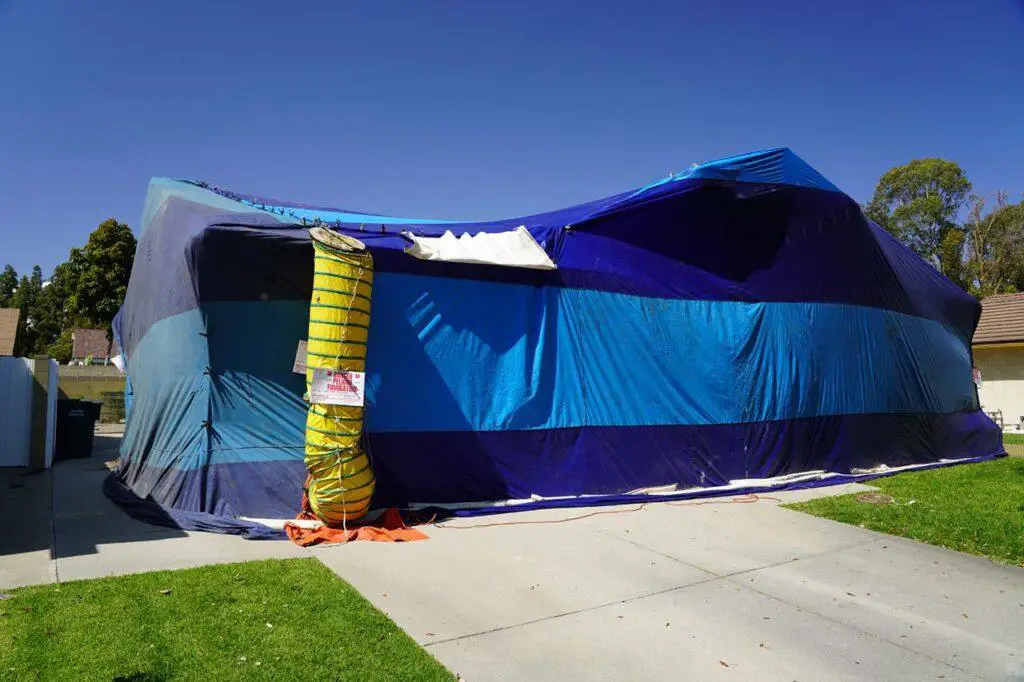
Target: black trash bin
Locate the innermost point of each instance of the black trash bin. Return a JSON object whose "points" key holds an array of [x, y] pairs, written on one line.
{"points": [[76, 421]]}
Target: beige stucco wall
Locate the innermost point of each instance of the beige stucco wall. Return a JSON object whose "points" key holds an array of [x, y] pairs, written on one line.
{"points": [[1002, 381]]}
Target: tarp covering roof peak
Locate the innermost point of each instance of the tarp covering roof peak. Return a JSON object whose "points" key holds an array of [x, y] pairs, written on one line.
{"points": [[779, 166]]}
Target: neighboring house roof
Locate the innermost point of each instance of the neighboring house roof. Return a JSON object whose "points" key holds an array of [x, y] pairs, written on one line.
{"points": [[91, 342], [8, 329], [1002, 320]]}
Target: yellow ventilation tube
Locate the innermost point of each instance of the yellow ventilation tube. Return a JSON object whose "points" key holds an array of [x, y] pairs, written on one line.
{"points": [[341, 480]]}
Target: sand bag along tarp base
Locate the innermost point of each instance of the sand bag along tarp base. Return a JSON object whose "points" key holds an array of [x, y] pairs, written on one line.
{"points": [[341, 481]]}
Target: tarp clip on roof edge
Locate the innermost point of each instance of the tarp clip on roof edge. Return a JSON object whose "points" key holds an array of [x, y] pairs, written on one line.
{"points": [[514, 249]]}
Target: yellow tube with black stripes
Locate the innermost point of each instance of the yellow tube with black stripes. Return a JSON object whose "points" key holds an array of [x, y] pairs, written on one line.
{"points": [[341, 479]]}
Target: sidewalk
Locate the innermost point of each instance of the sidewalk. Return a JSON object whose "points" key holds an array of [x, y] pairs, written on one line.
{"points": [[67, 529]]}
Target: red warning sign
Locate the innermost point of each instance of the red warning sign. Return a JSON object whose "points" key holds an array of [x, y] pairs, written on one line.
{"points": [[337, 387]]}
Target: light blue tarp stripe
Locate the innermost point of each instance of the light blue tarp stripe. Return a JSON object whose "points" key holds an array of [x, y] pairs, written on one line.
{"points": [[459, 355], [450, 355], [771, 166], [162, 189]]}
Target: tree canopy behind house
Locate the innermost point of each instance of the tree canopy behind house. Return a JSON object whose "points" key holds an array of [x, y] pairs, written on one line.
{"points": [[85, 291]]}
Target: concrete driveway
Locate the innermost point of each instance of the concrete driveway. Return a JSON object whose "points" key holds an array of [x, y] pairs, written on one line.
{"points": [[711, 591], [62, 527]]}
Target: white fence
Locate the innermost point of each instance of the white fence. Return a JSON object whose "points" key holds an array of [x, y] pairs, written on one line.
{"points": [[16, 388]]}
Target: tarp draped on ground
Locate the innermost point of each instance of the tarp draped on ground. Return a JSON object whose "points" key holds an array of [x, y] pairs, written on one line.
{"points": [[741, 320]]}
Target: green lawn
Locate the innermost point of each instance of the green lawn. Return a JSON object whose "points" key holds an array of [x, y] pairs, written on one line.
{"points": [[271, 620], [1013, 438], [976, 508]]}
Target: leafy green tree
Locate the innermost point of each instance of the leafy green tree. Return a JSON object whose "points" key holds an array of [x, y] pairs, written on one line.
{"points": [[995, 254], [85, 291], [101, 271], [26, 298], [61, 349], [8, 285], [52, 317], [918, 203]]}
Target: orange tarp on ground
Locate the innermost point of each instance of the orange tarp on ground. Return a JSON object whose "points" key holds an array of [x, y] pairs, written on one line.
{"points": [[389, 527]]}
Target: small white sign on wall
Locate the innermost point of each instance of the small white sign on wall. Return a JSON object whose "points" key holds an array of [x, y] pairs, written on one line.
{"points": [[299, 366], [337, 387]]}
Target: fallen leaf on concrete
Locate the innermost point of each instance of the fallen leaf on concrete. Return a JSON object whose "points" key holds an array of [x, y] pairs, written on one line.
{"points": [[723, 664], [850, 594], [965, 615], [431, 634], [667, 624]]}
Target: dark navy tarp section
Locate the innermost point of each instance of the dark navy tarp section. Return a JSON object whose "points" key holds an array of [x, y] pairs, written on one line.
{"points": [[741, 320]]}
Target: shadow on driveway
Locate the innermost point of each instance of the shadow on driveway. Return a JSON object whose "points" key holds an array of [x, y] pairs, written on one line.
{"points": [[83, 516], [64, 510]]}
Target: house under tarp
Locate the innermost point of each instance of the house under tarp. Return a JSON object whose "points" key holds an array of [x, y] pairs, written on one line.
{"points": [[738, 326]]}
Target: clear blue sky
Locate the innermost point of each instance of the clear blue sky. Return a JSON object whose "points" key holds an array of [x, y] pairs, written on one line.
{"points": [[481, 110]]}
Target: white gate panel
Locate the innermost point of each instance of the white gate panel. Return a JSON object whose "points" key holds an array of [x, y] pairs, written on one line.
{"points": [[15, 411]]}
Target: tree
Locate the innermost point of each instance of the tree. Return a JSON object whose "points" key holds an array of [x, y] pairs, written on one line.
{"points": [[26, 298], [86, 291], [101, 271], [54, 322], [995, 253], [62, 348], [8, 285], [918, 203]]}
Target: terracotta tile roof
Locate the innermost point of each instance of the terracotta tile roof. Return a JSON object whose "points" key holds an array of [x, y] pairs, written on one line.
{"points": [[91, 342], [8, 329], [1002, 319]]}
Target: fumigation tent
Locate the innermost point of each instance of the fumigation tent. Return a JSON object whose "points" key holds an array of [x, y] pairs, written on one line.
{"points": [[738, 326]]}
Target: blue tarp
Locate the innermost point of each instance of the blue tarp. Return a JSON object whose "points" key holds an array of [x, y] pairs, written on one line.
{"points": [[741, 320]]}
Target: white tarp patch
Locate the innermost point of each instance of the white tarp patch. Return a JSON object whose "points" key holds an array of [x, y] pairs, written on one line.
{"points": [[515, 249]]}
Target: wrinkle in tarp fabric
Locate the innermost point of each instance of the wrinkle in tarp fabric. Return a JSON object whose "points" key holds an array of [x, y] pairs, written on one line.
{"points": [[741, 320]]}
